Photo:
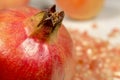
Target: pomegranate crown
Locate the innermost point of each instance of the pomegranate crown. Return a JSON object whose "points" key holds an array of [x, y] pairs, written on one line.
{"points": [[52, 18], [45, 23]]}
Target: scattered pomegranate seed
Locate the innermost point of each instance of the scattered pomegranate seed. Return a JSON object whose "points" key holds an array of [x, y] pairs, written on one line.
{"points": [[94, 26], [96, 59], [114, 32]]}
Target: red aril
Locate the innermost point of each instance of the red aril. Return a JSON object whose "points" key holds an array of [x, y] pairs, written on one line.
{"points": [[34, 45]]}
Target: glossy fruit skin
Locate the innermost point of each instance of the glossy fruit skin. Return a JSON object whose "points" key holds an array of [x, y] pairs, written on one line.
{"points": [[12, 3], [81, 9], [25, 58]]}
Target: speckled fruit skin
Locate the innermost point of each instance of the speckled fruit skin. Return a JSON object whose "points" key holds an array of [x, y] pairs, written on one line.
{"points": [[24, 58], [12, 3]]}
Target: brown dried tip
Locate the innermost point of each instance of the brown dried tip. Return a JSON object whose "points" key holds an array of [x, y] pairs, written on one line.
{"points": [[45, 22], [52, 9], [53, 16]]}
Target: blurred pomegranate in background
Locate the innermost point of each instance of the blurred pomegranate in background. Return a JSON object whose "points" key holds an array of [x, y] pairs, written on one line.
{"points": [[34, 45], [12, 3], [81, 9]]}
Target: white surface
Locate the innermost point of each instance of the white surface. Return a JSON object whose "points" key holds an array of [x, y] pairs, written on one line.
{"points": [[108, 19]]}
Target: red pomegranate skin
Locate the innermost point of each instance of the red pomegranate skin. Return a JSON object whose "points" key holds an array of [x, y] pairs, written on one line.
{"points": [[25, 58]]}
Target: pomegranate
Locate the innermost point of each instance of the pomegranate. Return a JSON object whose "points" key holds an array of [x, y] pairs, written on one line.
{"points": [[12, 3], [34, 45], [81, 9]]}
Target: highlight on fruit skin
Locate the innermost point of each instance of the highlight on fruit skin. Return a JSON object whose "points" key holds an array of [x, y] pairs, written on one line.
{"points": [[34, 45], [81, 9]]}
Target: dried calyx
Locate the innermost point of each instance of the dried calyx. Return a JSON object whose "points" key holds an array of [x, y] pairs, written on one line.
{"points": [[45, 23]]}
